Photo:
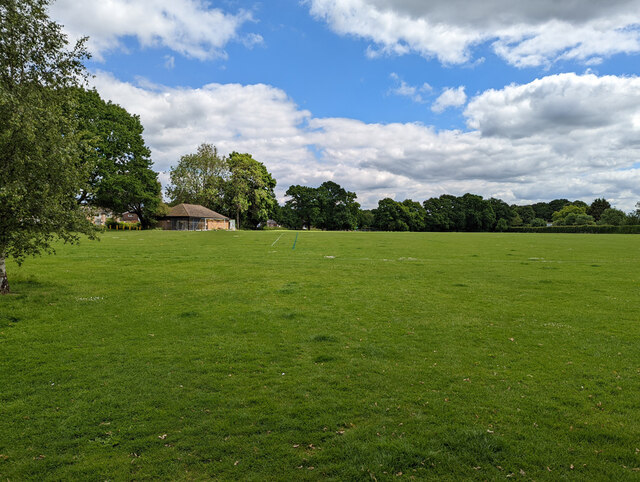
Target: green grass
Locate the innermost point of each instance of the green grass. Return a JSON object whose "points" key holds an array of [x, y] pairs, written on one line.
{"points": [[353, 356]]}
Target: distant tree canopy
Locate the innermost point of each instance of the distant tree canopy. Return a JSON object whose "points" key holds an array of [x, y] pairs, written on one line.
{"points": [[236, 185], [469, 212], [612, 217], [445, 213], [328, 206], [597, 207], [572, 215]]}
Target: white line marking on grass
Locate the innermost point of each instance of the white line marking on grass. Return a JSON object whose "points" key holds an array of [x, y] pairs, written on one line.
{"points": [[277, 240]]}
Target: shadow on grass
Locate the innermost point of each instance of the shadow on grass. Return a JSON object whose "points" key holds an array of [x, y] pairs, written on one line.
{"points": [[323, 338], [288, 289], [323, 359], [474, 447], [188, 314], [8, 320]]}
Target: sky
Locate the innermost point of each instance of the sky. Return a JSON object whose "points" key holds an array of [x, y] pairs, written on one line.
{"points": [[408, 99]]}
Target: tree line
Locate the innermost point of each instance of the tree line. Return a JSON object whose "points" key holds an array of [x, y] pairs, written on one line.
{"points": [[212, 180], [472, 212]]}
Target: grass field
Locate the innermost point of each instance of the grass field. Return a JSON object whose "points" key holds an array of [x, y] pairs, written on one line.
{"points": [[177, 355]]}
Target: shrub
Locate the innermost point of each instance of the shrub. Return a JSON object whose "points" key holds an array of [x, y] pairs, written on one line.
{"points": [[612, 217], [538, 223], [111, 223], [502, 225]]}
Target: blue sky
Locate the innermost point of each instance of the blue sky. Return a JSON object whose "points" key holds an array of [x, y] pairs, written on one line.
{"points": [[538, 102]]}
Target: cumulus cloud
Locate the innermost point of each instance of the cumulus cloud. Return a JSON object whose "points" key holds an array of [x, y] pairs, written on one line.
{"points": [[450, 97], [522, 32], [189, 27], [557, 104], [559, 136]]}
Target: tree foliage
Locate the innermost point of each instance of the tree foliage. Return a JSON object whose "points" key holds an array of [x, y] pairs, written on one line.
{"points": [[200, 178], [612, 217], [527, 213], [328, 206], [248, 193], [597, 207], [337, 207], [119, 162], [572, 215], [40, 177]]}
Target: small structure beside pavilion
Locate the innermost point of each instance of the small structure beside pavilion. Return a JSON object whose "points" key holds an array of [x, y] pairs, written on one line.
{"points": [[193, 217]]}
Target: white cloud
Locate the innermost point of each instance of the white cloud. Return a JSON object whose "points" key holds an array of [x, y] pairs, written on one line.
{"points": [[523, 32], [189, 27], [450, 97], [415, 93], [558, 105], [560, 136]]}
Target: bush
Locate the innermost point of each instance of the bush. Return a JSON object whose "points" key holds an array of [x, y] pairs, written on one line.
{"points": [[612, 217], [502, 225], [113, 224], [538, 223]]}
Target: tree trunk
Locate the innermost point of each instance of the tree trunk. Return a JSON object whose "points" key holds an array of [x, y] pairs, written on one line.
{"points": [[4, 283], [238, 218]]}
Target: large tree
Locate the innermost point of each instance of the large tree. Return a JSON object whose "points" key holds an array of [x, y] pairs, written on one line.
{"points": [[302, 206], [612, 217], [444, 213], [390, 215], [328, 206], [572, 215], [597, 207], [200, 178], [527, 213], [121, 177], [338, 209], [249, 190], [40, 176]]}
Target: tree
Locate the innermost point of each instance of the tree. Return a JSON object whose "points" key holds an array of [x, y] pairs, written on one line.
{"points": [[119, 162], [543, 211], [556, 205], [365, 219], [337, 208], [479, 215], [597, 207], [502, 210], [612, 217], [390, 215], [303, 206], [445, 213], [414, 215], [502, 225], [571, 215], [200, 178], [249, 190], [40, 176], [133, 189], [538, 223], [526, 213]]}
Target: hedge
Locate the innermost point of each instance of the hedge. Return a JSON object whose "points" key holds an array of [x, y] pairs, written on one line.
{"points": [[111, 224], [586, 229]]}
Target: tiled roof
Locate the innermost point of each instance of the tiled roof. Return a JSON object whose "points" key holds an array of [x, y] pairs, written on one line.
{"points": [[193, 211]]}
